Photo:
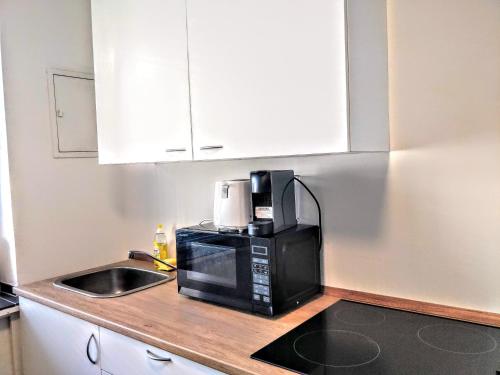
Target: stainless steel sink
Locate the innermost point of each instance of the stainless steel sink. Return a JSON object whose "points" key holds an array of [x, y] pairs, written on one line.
{"points": [[111, 281]]}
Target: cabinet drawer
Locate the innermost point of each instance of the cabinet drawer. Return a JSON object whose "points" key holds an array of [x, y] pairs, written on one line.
{"points": [[121, 355]]}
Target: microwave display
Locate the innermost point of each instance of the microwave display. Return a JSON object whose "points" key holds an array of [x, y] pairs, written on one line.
{"points": [[260, 250]]}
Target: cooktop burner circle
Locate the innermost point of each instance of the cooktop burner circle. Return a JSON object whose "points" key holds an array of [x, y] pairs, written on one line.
{"points": [[336, 348], [360, 316], [456, 339]]}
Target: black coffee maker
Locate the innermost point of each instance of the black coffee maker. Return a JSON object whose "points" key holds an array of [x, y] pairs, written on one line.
{"points": [[272, 202]]}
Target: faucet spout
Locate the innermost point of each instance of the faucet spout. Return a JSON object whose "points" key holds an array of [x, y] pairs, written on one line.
{"points": [[142, 255]]}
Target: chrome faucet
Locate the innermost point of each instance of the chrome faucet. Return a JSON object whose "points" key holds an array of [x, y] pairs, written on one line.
{"points": [[142, 255]]}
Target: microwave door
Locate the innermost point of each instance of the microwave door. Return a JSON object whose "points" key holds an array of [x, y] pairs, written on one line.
{"points": [[217, 268]]}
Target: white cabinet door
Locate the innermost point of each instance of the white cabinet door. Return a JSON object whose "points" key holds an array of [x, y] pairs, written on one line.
{"points": [[268, 77], [57, 344], [122, 355], [141, 79]]}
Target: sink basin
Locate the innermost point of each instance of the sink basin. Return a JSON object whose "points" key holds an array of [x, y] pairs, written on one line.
{"points": [[112, 281]]}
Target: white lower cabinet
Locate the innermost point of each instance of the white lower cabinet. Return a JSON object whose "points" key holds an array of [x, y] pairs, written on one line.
{"points": [[54, 343], [121, 355]]}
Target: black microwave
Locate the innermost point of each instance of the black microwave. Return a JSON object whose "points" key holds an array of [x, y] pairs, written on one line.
{"points": [[266, 275]]}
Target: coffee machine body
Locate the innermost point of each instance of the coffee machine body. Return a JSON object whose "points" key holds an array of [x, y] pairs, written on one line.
{"points": [[273, 202]]}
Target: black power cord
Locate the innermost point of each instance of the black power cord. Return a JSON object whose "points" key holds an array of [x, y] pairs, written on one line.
{"points": [[315, 200]]}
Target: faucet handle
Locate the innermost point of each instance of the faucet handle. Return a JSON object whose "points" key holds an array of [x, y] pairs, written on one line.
{"points": [[139, 255]]}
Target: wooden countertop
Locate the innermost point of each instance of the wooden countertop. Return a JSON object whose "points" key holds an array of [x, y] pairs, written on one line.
{"points": [[215, 336]]}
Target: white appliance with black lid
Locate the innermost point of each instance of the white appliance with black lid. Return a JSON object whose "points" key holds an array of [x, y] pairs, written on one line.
{"points": [[232, 205]]}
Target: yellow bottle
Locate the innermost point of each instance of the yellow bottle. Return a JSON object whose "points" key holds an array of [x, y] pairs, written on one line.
{"points": [[160, 247]]}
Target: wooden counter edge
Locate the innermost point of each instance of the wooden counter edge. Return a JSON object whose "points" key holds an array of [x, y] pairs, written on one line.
{"points": [[5, 313], [192, 355], [456, 313]]}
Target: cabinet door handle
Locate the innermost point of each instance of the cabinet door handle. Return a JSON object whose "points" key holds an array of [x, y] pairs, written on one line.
{"points": [[175, 150], [156, 357], [218, 147], [91, 338]]}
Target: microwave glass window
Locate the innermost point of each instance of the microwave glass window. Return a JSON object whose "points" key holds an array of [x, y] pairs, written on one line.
{"points": [[212, 264]]}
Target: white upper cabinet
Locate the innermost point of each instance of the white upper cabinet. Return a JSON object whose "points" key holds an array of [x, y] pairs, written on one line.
{"points": [[368, 75], [141, 80], [268, 77], [225, 79]]}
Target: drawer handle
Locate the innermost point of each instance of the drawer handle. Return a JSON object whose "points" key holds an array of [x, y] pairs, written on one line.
{"points": [[92, 338], [175, 150], [156, 357], [218, 147]]}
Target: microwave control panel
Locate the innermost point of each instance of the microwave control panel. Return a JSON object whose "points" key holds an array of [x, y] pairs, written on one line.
{"points": [[261, 278]]}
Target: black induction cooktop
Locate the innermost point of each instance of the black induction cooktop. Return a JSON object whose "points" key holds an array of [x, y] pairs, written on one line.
{"points": [[353, 338]]}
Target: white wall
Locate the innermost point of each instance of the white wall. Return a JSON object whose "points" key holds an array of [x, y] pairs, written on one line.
{"points": [[8, 265], [422, 222], [69, 214]]}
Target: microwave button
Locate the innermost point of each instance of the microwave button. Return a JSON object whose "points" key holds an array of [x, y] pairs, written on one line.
{"points": [[260, 261], [261, 289], [261, 279], [257, 297], [266, 299]]}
